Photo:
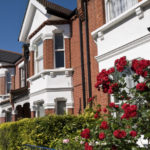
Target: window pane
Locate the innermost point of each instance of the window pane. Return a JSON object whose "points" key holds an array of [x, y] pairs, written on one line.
{"points": [[40, 48], [116, 7], [40, 65], [8, 82], [22, 77], [61, 107], [59, 41], [59, 59]]}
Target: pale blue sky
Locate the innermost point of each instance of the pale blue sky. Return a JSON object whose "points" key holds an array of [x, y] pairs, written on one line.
{"points": [[11, 17]]}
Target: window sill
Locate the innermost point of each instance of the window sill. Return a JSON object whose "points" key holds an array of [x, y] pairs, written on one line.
{"points": [[52, 73], [98, 33]]}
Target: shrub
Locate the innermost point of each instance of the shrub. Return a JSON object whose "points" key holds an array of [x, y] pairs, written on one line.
{"points": [[45, 131]]}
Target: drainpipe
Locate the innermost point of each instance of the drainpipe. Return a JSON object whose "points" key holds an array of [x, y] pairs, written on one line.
{"points": [[87, 48], [82, 63]]}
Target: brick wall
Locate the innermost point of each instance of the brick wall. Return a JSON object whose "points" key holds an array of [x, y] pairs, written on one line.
{"points": [[96, 18], [31, 66], [67, 53], [17, 78], [49, 111], [2, 85], [48, 54], [12, 82]]}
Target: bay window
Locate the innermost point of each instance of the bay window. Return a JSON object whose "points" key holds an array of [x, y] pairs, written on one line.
{"points": [[59, 50], [39, 56], [114, 8]]}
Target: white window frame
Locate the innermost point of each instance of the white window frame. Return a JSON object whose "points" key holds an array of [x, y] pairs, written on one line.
{"points": [[59, 50], [36, 58], [108, 10]]}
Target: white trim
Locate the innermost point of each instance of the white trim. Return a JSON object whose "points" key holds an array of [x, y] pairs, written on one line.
{"points": [[49, 106], [33, 5], [123, 48], [47, 36], [50, 71], [21, 65], [119, 18]]}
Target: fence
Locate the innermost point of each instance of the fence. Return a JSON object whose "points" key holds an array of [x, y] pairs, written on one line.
{"points": [[32, 147]]}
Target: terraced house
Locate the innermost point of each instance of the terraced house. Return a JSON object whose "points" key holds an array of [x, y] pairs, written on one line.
{"points": [[57, 69]]}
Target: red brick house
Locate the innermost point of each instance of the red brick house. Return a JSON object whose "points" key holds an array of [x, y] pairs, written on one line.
{"points": [[57, 70]]}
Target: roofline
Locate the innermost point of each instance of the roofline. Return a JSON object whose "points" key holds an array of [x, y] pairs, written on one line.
{"points": [[11, 52]]}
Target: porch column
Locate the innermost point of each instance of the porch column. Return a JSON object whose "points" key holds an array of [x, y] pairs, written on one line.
{"points": [[14, 115]]}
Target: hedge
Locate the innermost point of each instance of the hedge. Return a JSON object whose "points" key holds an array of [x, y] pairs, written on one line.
{"points": [[40, 131]]}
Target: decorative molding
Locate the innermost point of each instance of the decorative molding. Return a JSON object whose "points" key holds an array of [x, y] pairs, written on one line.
{"points": [[49, 106], [139, 12], [47, 36], [32, 47], [123, 48], [51, 90], [100, 35], [120, 18], [52, 74], [69, 105]]}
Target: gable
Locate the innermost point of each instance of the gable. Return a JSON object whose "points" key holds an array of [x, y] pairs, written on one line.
{"points": [[38, 11]]}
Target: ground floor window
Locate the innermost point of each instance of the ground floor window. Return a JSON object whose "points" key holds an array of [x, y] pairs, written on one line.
{"points": [[8, 116], [40, 110], [60, 107]]}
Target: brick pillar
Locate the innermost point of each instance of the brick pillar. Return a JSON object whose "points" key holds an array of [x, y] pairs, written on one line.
{"points": [[14, 115], [31, 71], [12, 82], [33, 110], [139, 0], [48, 54], [67, 53]]}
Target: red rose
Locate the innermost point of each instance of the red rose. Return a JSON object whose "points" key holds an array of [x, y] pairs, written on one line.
{"points": [[104, 110], [111, 70], [90, 99], [96, 116], [102, 136], [104, 125], [116, 106], [85, 133], [88, 147], [133, 107], [133, 133], [119, 134], [141, 86], [121, 63], [112, 105]]}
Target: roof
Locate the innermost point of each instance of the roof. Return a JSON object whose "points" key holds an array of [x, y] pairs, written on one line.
{"points": [[56, 9], [9, 56]]}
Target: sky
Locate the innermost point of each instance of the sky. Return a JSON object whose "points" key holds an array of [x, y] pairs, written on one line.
{"points": [[11, 18]]}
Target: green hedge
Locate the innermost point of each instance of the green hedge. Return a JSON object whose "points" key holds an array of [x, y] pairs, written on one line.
{"points": [[40, 131]]}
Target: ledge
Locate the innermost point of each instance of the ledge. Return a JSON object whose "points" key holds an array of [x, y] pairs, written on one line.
{"points": [[51, 72], [135, 9]]}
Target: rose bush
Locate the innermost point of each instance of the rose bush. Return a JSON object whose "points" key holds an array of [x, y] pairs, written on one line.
{"points": [[120, 125]]}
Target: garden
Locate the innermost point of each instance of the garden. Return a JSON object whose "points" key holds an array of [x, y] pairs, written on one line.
{"points": [[123, 125]]}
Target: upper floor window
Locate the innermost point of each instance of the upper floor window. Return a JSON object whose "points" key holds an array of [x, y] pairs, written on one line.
{"points": [[59, 50], [8, 82], [22, 76], [39, 56], [116, 7]]}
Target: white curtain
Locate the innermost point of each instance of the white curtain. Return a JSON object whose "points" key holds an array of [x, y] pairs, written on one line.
{"points": [[115, 7]]}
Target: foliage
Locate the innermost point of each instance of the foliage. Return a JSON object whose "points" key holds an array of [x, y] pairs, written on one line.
{"points": [[44, 131], [120, 125]]}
